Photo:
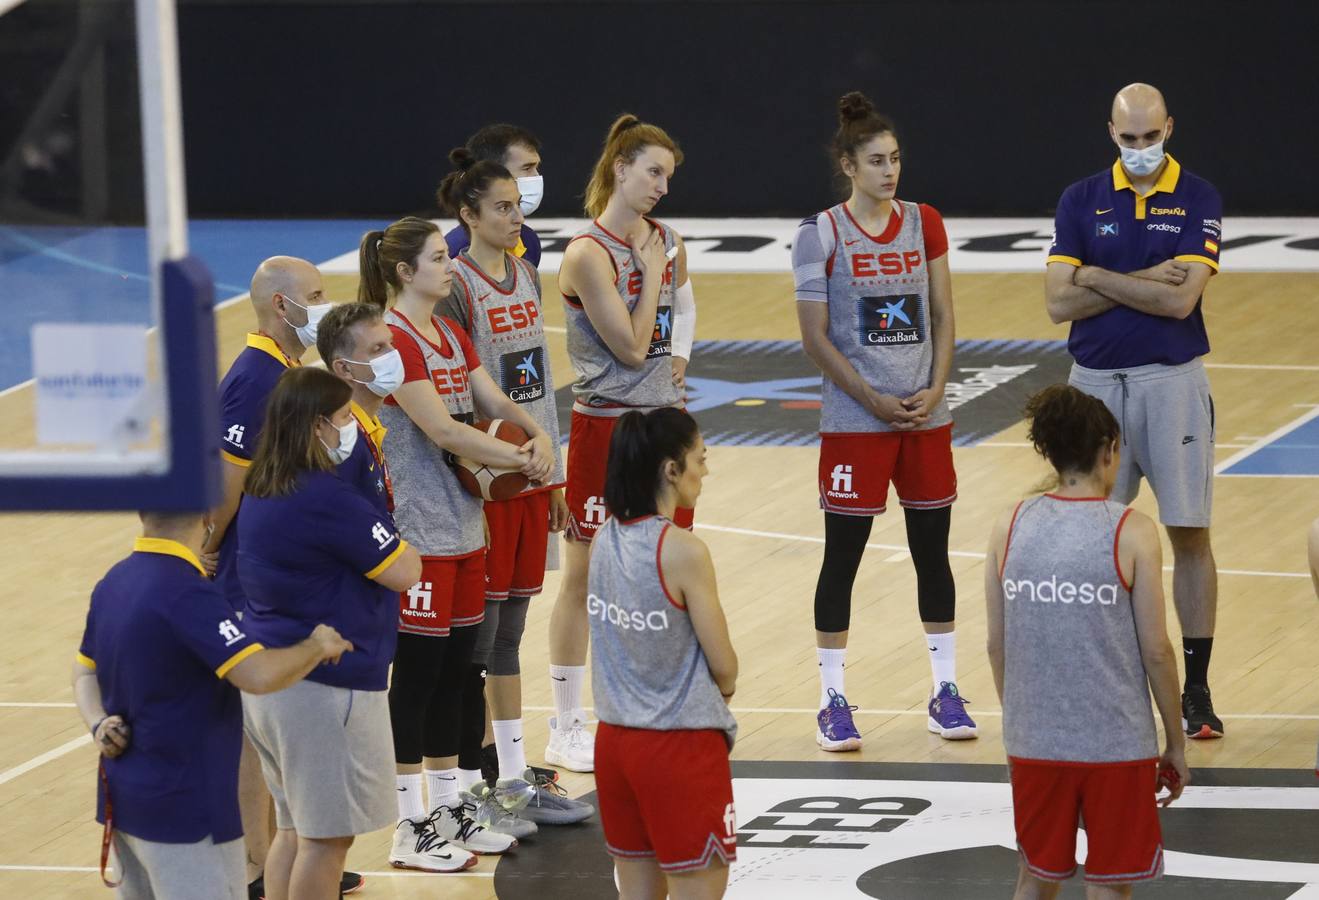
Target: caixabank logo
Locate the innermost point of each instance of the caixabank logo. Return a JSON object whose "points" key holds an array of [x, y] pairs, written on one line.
{"points": [[890, 321], [661, 339], [896, 831], [767, 393], [523, 374]]}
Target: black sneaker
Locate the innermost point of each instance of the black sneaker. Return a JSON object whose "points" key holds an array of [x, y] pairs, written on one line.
{"points": [[351, 883], [490, 768], [1198, 717]]}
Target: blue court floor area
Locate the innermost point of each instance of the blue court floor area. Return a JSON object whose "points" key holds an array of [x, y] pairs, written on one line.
{"points": [[1294, 451], [99, 274]]}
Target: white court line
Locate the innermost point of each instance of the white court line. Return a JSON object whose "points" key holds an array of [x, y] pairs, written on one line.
{"points": [[391, 873], [1028, 444], [1261, 368], [34, 705], [802, 710], [967, 554], [23, 768], [1266, 440]]}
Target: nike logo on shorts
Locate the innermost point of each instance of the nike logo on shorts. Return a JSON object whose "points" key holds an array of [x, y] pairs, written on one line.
{"points": [[557, 678], [516, 740], [1188, 439], [1100, 212]]}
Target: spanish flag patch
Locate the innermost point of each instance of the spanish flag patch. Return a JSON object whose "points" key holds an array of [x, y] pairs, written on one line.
{"points": [[1211, 246]]}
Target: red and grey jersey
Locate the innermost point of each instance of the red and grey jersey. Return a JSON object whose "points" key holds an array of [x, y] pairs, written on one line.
{"points": [[503, 319], [878, 291], [605, 386]]}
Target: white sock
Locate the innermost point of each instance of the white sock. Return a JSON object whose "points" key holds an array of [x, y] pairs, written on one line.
{"points": [[567, 684], [442, 786], [411, 802], [943, 657], [831, 672], [469, 778], [508, 743]]}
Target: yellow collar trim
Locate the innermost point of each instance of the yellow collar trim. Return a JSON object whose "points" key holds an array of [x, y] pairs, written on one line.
{"points": [[267, 345], [374, 428], [166, 547], [1167, 182]]}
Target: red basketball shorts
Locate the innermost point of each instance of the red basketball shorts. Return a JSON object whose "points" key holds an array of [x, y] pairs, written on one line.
{"points": [[519, 536], [588, 457], [666, 795], [855, 470], [1115, 801], [450, 594]]}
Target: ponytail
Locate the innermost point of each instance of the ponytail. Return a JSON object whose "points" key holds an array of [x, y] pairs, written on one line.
{"points": [[381, 252], [638, 449], [628, 137], [371, 288]]}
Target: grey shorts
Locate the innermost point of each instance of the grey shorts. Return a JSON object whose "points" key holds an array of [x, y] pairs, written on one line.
{"points": [[202, 871], [328, 757], [1167, 419]]}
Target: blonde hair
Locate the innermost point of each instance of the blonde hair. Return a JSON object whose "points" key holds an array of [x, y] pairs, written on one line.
{"points": [[628, 136]]}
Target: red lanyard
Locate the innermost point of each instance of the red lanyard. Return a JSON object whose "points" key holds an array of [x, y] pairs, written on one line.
{"points": [[107, 835], [380, 461]]}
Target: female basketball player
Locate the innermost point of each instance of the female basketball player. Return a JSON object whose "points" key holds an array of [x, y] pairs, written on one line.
{"points": [[1077, 641], [429, 417], [518, 151], [875, 305], [663, 670], [496, 298], [631, 316]]}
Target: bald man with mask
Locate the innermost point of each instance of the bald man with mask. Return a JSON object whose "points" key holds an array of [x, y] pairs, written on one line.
{"points": [[288, 300], [1134, 248]]}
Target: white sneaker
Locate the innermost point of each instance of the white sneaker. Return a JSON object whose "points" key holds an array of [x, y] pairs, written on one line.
{"points": [[456, 825], [572, 747], [417, 846]]}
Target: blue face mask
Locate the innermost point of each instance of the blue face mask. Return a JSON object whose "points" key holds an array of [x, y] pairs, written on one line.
{"points": [[1143, 162]]}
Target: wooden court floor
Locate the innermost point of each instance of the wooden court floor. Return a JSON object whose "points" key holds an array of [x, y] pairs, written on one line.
{"points": [[759, 515]]}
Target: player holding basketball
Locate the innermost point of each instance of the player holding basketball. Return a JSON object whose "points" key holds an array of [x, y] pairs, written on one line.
{"points": [[518, 151], [663, 670], [875, 305], [1077, 636], [1134, 247], [496, 298], [631, 318], [429, 417]]}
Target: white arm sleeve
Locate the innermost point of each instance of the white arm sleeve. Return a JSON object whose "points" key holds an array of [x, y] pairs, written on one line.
{"points": [[684, 320], [811, 249]]}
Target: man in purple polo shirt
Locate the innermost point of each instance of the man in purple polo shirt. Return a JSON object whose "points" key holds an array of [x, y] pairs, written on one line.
{"points": [[1134, 247], [159, 635]]}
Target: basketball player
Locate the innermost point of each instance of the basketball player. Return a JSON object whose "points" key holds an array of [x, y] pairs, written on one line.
{"points": [[496, 298], [875, 305], [518, 151], [663, 670], [158, 636], [288, 300], [1074, 587], [429, 417], [631, 318], [1134, 247]]}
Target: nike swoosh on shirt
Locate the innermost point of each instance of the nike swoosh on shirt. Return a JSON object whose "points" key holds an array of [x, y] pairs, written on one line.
{"points": [[515, 740], [1100, 212], [850, 243], [557, 678]]}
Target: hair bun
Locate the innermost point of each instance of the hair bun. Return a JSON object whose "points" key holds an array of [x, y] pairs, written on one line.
{"points": [[462, 158], [853, 106]]}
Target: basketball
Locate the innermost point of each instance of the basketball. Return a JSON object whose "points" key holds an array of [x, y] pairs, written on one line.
{"points": [[491, 482]]}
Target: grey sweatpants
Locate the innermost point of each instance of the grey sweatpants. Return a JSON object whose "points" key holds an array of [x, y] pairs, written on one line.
{"points": [[201, 871]]}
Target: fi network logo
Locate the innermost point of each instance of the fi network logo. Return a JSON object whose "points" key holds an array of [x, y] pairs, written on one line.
{"points": [[842, 477], [595, 510]]}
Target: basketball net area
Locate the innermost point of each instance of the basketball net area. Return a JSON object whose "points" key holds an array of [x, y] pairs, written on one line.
{"points": [[115, 414]]}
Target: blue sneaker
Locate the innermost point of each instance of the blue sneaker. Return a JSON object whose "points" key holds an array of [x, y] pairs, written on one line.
{"points": [[837, 732], [948, 717]]}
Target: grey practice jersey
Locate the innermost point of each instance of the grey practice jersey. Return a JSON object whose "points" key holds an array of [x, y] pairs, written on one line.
{"points": [[602, 381], [1071, 654], [879, 296], [431, 508], [503, 319], [647, 667]]}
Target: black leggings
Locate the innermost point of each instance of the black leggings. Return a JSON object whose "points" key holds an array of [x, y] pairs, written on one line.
{"points": [[426, 693], [845, 542]]}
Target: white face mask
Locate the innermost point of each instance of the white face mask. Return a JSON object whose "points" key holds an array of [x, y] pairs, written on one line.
{"points": [[532, 189], [387, 370], [315, 312], [347, 441], [1142, 162]]}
